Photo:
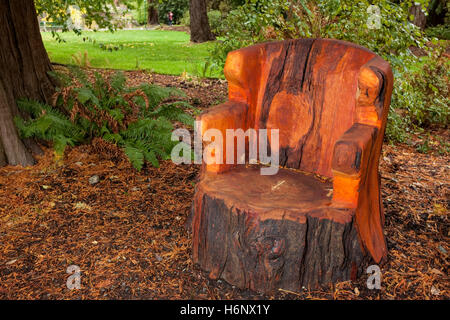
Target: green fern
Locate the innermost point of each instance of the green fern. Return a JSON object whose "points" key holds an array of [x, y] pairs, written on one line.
{"points": [[135, 155], [48, 123], [146, 139]]}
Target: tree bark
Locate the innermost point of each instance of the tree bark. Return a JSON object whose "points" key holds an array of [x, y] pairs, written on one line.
{"points": [[420, 19], [24, 66], [2, 156], [250, 243], [200, 29], [152, 17]]}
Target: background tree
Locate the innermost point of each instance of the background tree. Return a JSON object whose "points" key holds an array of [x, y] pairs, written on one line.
{"points": [[152, 9], [199, 24], [151, 6], [24, 63]]}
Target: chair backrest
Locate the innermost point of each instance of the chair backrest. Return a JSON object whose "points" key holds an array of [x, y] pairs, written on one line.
{"points": [[306, 88]]}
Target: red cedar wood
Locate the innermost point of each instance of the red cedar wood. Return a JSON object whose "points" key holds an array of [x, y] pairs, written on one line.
{"points": [[330, 100]]}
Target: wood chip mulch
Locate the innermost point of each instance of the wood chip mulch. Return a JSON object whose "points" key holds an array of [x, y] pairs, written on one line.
{"points": [[127, 231]]}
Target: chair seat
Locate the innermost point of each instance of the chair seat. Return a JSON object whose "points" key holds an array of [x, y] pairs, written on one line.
{"points": [[288, 192]]}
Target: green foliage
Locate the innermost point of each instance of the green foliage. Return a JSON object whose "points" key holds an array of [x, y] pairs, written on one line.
{"points": [[185, 19], [147, 139], [104, 46], [178, 8], [440, 31], [224, 6], [420, 96], [262, 20], [424, 147], [136, 119], [430, 84], [48, 124], [216, 20]]}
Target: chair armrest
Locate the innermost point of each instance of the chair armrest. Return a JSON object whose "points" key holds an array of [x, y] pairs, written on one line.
{"points": [[350, 161], [229, 115]]}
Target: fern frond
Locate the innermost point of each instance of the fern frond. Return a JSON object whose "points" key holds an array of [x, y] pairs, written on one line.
{"points": [[157, 94], [174, 113], [135, 119], [117, 81], [33, 108], [79, 75]]}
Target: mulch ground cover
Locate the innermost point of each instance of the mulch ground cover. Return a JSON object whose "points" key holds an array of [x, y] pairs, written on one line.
{"points": [[126, 230]]}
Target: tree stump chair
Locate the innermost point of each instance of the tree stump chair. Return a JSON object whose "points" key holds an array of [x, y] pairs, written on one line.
{"points": [[320, 218]]}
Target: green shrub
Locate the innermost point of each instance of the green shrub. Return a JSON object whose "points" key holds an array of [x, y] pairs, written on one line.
{"points": [[441, 32], [185, 19], [430, 82], [140, 13], [416, 101], [136, 119], [215, 19]]}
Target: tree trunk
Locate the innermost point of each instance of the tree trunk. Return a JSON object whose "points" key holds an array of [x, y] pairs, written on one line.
{"points": [[152, 17], [200, 29], [420, 18], [242, 238], [2, 155], [24, 64]]}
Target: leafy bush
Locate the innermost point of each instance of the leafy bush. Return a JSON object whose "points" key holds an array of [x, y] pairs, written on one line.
{"points": [[81, 59], [259, 21], [136, 119], [264, 20], [140, 12], [185, 19], [104, 46], [442, 31], [430, 84]]}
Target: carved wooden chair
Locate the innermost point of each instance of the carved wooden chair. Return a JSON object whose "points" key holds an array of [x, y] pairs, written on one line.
{"points": [[320, 218]]}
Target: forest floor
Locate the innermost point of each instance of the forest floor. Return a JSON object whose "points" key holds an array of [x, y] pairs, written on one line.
{"points": [[127, 232]]}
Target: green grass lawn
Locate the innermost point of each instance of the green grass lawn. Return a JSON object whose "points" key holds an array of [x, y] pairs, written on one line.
{"points": [[164, 52]]}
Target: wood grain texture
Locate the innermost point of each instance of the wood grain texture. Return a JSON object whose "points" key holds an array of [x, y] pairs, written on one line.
{"points": [[330, 100], [229, 115]]}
